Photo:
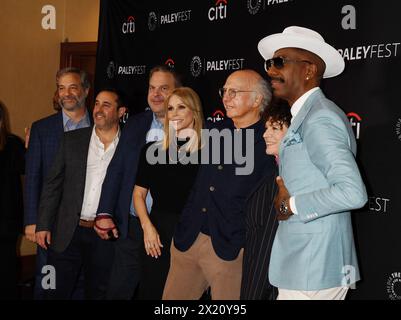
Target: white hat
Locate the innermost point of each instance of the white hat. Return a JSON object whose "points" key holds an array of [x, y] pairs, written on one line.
{"points": [[307, 39]]}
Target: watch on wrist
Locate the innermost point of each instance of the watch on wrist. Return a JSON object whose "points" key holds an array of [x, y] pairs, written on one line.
{"points": [[284, 207]]}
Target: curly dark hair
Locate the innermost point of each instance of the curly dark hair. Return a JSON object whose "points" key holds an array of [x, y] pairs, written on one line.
{"points": [[278, 112]]}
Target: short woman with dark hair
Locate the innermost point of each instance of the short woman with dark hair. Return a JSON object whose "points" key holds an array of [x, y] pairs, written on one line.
{"points": [[261, 223]]}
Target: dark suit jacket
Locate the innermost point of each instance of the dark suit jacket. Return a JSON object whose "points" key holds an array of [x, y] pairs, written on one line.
{"points": [[63, 190], [119, 182], [43, 143], [261, 225], [216, 205]]}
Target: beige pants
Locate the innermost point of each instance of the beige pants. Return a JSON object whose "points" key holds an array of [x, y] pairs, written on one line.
{"points": [[193, 271], [327, 294]]}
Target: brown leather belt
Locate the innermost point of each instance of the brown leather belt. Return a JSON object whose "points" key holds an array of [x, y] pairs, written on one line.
{"points": [[86, 223]]}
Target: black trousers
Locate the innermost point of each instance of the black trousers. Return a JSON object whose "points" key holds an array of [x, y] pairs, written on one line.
{"points": [[261, 226], [155, 271], [127, 265], [8, 269], [88, 252]]}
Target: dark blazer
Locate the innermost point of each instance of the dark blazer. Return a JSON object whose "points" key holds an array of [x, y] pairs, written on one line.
{"points": [[43, 144], [119, 182], [44, 141], [261, 225], [216, 205], [63, 190], [11, 170]]}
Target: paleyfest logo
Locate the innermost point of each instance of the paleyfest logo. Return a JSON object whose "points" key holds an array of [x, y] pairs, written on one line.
{"points": [[199, 65], [155, 20], [196, 66], [111, 70], [394, 286], [255, 5], [398, 129], [152, 21]]}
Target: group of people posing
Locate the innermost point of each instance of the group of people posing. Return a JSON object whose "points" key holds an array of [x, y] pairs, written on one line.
{"points": [[159, 210]]}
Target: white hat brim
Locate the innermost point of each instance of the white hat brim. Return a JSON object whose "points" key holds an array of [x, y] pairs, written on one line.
{"points": [[332, 58]]}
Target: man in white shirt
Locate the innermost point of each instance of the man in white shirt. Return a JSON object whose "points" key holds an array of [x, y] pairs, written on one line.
{"points": [[313, 255], [70, 198]]}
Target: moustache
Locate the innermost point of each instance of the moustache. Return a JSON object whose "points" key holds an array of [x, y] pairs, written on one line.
{"points": [[100, 114], [276, 79], [69, 98]]}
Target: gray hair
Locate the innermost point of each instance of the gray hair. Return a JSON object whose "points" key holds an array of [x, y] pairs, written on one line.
{"points": [[85, 83], [263, 88]]}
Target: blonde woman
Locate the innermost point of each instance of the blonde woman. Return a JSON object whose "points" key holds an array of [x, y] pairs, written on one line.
{"points": [[169, 181]]}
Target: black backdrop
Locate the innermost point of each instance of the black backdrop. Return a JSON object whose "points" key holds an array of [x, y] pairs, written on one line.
{"points": [[207, 40]]}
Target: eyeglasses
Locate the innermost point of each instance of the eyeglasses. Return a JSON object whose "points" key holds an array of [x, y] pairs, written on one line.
{"points": [[280, 62], [231, 93]]}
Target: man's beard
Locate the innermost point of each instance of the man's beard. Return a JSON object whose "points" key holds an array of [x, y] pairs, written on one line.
{"points": [[79, 103]]}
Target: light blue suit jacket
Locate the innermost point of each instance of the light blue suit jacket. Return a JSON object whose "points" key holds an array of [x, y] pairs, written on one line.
{"points": [[315, 249]]}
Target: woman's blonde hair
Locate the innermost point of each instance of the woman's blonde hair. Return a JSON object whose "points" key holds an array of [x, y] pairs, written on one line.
{"points": [[192, 101]]}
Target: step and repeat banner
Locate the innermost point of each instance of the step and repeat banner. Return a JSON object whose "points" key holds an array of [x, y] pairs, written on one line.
{"points": [[206, 40]]}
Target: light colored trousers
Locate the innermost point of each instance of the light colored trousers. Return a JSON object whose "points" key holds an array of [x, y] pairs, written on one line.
{"points": [[193, 271], [327, 294]]}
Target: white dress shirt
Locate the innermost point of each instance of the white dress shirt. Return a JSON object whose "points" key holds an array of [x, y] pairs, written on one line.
{"points": [[96, 167], [296, 107]]}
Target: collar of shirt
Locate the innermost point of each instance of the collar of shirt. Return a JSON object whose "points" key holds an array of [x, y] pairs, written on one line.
{"points": [[230, 124], [99, 144], [296, 107], [69, 124], [155, 132], [156, 123]]}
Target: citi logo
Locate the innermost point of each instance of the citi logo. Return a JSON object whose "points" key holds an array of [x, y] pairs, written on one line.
{"points": [[216, 116], [170, 63], [129, 26], [355, 121], [219, 11]]}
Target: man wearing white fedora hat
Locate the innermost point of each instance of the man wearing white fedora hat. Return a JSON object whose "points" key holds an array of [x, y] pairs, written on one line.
{"points": [[313, 255]]}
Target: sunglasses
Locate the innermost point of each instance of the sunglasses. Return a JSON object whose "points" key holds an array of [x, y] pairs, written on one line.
{"points": [[280, 62]]}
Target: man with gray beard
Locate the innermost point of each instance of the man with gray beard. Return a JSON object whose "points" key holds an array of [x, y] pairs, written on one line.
{"points": [[72, 89]]}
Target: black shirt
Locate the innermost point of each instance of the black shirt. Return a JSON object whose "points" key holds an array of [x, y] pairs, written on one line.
{"points": [[169, 183]]}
